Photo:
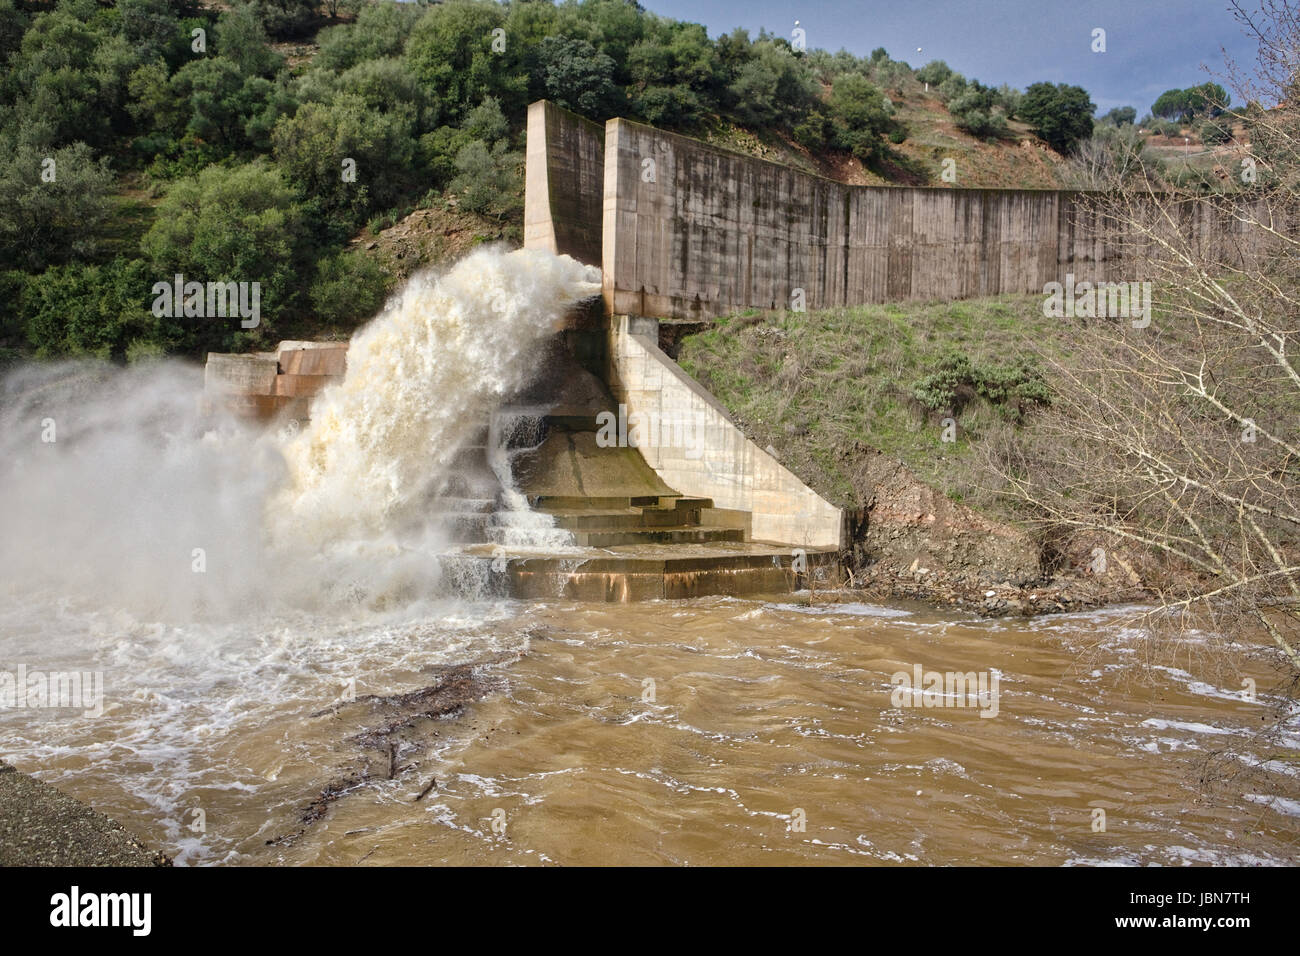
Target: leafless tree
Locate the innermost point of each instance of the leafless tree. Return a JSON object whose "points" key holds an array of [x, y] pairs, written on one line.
{"points": [[1177, 443]]}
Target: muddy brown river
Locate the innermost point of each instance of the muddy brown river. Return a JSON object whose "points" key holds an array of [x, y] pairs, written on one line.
{"points": [[708, 731]]}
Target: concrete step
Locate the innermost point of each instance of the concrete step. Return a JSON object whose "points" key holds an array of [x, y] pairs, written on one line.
{"points": [[610, 520], [469, 458], [554, 503], [677, 534], [463, 527], [644, 573], [475, 484]]}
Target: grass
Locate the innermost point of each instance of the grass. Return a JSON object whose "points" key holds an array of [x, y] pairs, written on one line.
{"points": [[131, 216], [825, 387]]}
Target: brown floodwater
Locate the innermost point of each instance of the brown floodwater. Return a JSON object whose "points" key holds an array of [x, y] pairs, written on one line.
{"points": [[705, 731]]}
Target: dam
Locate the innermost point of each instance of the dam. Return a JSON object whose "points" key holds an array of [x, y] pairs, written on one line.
{"points": [[682, 231]]}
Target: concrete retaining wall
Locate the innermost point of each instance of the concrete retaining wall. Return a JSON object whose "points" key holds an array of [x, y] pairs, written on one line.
{"points": [[564, 179], [276, 384], [686, 230], [718, 461], [692, 231]]}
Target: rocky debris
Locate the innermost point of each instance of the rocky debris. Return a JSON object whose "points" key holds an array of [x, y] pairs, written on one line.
{"points": [[1055, 596], [428, 237], [912, 542], [42, 826], [913, 531]]}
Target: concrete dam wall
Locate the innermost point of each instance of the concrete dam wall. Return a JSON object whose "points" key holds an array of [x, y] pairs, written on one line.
{"points": [[692, 231], [676, 501]]}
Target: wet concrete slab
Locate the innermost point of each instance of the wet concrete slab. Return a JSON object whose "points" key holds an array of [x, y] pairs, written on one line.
{"points": [[646, 572]]}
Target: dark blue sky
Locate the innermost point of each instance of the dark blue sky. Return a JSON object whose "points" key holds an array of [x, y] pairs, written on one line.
{"points": [[1151, 45]]}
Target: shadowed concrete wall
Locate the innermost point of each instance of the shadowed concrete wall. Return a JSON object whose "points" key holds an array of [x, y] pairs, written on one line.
{"points": [[725, 466], [564, 177], [694, 231]]}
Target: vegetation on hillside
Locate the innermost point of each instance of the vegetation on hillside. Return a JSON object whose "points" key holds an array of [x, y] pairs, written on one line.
{"points": [[822, 387]]}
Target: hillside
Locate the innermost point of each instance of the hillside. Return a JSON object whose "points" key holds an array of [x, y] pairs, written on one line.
{"points": [[893, 412], [1015, 159], [822, 385]]}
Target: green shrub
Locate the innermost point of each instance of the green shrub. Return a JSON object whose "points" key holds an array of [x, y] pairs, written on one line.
{"points": [[489, 181], [349, 288], [83, 309], [51, 222], [1011, 388]]}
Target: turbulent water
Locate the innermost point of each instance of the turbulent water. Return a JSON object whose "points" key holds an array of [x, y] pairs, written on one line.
{"points": [[421, 380], [760, 713], [287, 676], [116, 492]]}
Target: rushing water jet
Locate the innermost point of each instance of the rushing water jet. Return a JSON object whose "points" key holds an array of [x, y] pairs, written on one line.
{"points": [[422, 379]]}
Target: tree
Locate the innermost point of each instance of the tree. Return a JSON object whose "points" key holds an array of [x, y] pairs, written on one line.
{"points": [[489, 180], [241, 39], [380, 30], [1108, 159], [349, 287], [1173, 440], [578, 77], [1121, 116], [934, 72], [861, 116], [284, 18], [68, 80], [314, 148], [388, 85], [80, 309], [13, 24], [219, 100], [45, 221], [669, 106], [1171, 105], [238, 223], [451, 49], [1060, 114], [1207, 99], [676, 74], [773, 89], [976, 110], [152, 30]]}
